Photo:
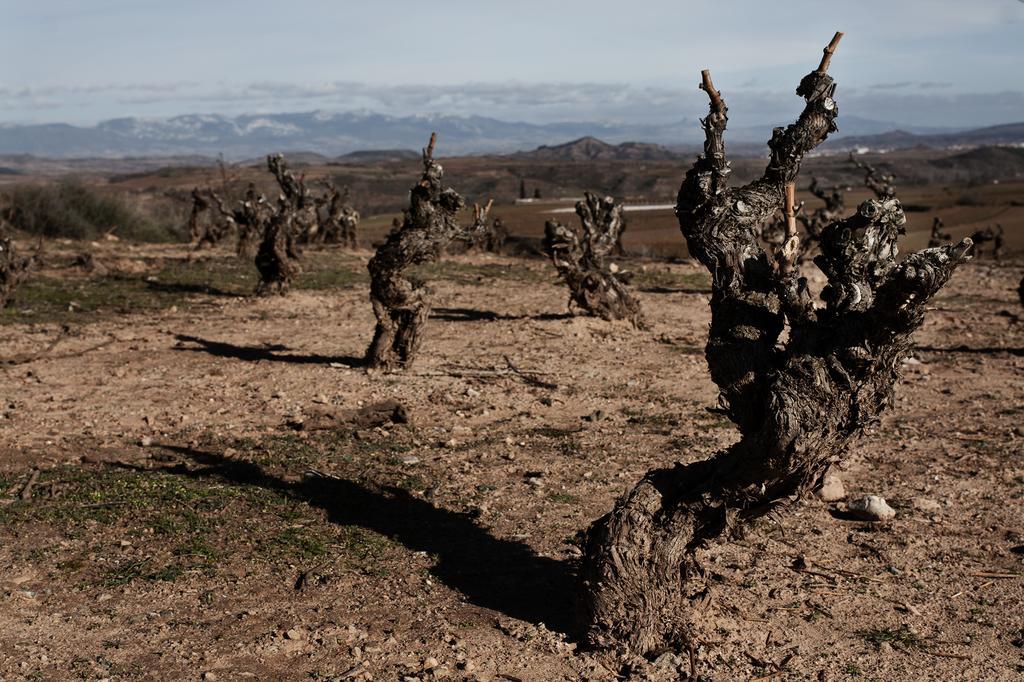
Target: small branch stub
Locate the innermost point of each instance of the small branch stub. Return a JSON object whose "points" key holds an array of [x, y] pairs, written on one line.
{"points": [[707, 86], [829, 50], [787, 256]]}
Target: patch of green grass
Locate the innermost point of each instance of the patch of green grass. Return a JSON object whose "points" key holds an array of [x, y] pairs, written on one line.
{"points": [[328, 279], [140, 570], [124, 573], [300, 542], [563, 498], [474, 273], [199, 514], [364, 544], [901, 638], [179, 283], [199, 547], [660, 420], [413, 483], [47, 299], [167, 574]]}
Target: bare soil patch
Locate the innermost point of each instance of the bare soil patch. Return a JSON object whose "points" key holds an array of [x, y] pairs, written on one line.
{"points": [[187, 519]]}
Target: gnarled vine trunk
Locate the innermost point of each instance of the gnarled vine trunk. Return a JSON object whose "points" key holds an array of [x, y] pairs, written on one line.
{"points": [[937, 237], [340, 221], [300, 202], [878, 182], [401, 303], [204, 227], [13, 268], [580, 256], [797, 406], [815, 223], [250, 219], [277, 258]]}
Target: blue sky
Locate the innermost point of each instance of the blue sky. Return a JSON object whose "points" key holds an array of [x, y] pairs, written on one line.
{"points": [[936, 62]]}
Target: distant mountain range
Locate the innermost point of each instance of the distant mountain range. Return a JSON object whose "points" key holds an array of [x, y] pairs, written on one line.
{"points": [[333, 134], [1008, 134], [592, 149]]}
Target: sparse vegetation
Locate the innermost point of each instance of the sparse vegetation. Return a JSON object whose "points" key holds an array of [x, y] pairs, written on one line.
{"points": [[902, 637], [177, 524], [71, 209], [186, 284]]}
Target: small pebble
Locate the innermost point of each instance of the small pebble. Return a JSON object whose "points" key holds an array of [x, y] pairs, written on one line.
{"points": [[872, 508], [831, 489]]}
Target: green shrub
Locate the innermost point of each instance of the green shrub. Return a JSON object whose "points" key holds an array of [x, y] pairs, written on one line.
{"points": [[71, 209]]}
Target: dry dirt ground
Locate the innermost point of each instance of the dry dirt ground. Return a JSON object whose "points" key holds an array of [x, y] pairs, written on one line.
{"points": [[171, 506]]}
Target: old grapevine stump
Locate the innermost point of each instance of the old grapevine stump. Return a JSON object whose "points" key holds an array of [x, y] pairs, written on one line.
{"points": [[300, 202], [13, 268], [277, 258], [580, 254], [401, 303], [798, 404], [340, 222]]}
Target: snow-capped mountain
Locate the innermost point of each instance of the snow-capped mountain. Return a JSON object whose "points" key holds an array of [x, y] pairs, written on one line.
{"points": [[326, 133], [332, 134]]}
